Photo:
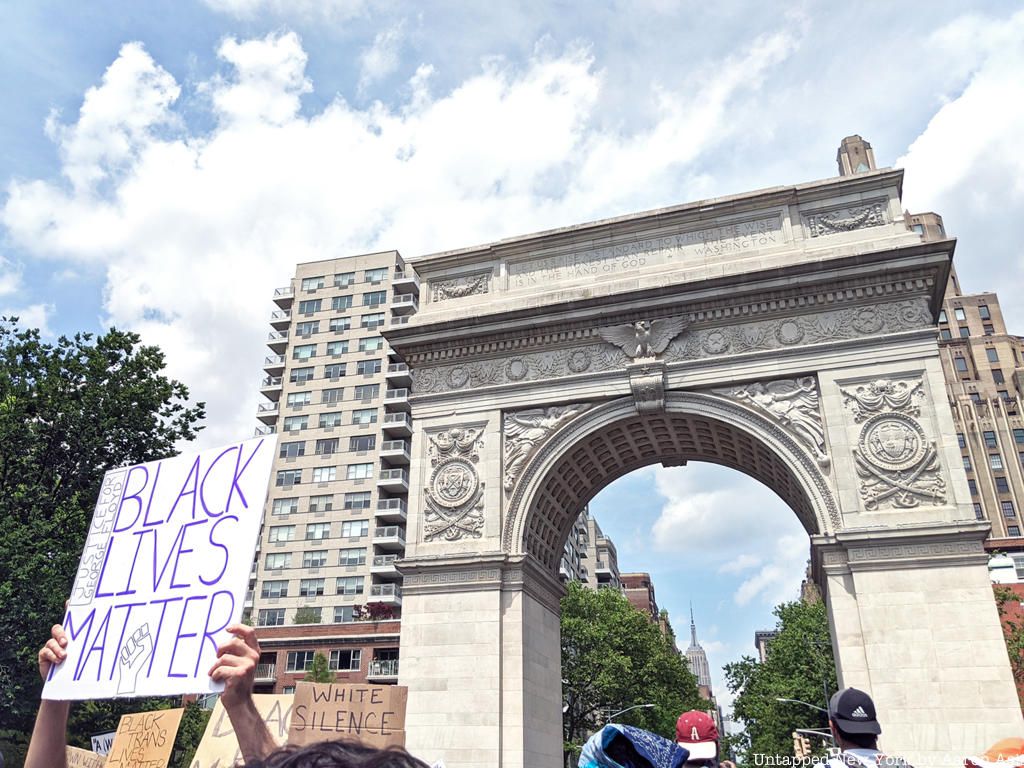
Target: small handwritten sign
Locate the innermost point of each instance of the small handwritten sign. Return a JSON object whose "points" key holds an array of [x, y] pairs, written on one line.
{"points": [[373, 714], [144, 739], [101, 742], [164, 572], [83, 758], [219, 745]]}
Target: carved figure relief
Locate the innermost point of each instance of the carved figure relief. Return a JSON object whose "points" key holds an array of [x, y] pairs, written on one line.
{"points": [[454, 493], [846, 219], [460, 287], [644, 338], [525, 431], [792, 403], [897, 464]]}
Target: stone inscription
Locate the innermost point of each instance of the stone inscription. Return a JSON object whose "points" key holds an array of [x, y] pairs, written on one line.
{"points": [[741, 237]]}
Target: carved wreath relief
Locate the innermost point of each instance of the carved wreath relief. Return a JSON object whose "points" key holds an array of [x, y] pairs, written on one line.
{"points": [[897, 464], [847, 219], [525, 431], [460, 287], [454, 493]]}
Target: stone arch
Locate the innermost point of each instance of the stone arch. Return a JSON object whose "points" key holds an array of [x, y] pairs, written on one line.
{"points": [[613, 439]]}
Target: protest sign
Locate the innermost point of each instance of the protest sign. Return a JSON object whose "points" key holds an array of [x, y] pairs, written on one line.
{"points": [[219, 745], [164, 572], [83, 758], [373, 714], [144, 739], [101, 742]]}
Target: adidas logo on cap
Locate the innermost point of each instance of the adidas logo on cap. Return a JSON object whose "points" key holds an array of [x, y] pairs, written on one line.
{"points": [[859, 712]]}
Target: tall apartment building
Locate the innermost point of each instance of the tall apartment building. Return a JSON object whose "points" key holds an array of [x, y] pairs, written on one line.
{"points": [[639, 590], [603, 558], [324, 578]]}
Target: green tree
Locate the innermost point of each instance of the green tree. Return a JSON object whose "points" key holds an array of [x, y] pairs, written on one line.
{"points": [[320, 670], [614, 657], [69, 411], [799, 666], [190, 733]]}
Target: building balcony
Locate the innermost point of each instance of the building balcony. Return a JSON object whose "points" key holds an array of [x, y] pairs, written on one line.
{"points": [[602, 567], [389, 537], [398, 375], [283, 296], [382, 669], [384, 566], [267, 413], [388, 594], [406, 281], [399, 320], [249, 595], [280, 319], [397, 424], [393, 480], [397, 399], [404, 303], [266, 673], [395, 452], [391, 511], [270, 387], [262, 430], [277, 341], [274, 364]]}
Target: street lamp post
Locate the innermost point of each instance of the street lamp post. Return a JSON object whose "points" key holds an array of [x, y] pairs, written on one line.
{"points": [[627, 709], [797, 701]]}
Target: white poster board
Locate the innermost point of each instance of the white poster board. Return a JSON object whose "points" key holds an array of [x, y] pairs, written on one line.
{"points": [[164, 571], [101, 742]]}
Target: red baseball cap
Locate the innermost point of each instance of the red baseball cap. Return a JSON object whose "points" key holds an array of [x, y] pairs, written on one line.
{"points": [[696, 732]]}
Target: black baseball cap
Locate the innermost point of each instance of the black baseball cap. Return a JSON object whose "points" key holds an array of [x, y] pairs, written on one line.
{"points": [[854, 712]]}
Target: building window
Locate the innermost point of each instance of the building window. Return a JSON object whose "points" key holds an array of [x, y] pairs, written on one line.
{"points": [[352, 556], [334, 370], [323, 503], [944, 334], [301, 375], [371, 344], [295, 423], [338, 324], [367, 367], [1008, 510], [366, 391], [277, 560], [375, 298], [990, 439], [960, 363], [351, 529], [338, 303], [318, 531], [309, 306], [272, 589], [975, 397], [335, 348], [303, 351], [1018, 436], [298, 399], [316, 558], [344, 279], [270, 617], [313, 283], [983, 312], [359, 471], [989, 329], [992, 354], [979, 514], [967, 463], [350, 585], [289, 477], [324, 474], [375, 275], [332, 395], [1002, 485], [1004, 395], [359, 500], [364, 416], [330, 420], [959, 313], [327, 446], [973, 486], [372, 320], [363, 443], [346, 661], [307, 327], [285, 506], [995, 461], [311, 587], [293, 449], [279, 533], [1013, 530], [997, 376], [299, 661], [942, 316], [344, 614], [964, 332], [961, 441]]}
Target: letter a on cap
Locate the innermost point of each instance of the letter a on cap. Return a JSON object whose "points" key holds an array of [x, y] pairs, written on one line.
{"points": [[693, 734]]}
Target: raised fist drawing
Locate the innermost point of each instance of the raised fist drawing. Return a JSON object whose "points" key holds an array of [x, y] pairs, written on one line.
{"points": [[137, 648]]}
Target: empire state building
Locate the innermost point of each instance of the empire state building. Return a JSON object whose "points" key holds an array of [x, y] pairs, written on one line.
{"points": [[698, 661]]}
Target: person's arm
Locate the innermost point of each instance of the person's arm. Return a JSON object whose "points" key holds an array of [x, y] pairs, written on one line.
{"points": [[48, 747], [236, 668]]}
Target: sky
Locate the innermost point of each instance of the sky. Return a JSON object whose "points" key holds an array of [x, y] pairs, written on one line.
{"points": [[164, 165]]}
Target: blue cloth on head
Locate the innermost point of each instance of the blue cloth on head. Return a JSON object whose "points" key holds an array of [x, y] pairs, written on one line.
{"points": [[654, 751]]}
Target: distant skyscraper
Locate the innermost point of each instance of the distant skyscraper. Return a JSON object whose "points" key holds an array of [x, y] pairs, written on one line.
{"points": [[698, 660]]}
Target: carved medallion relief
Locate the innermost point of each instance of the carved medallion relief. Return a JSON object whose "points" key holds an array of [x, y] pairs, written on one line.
{"points": [[454, 492]]}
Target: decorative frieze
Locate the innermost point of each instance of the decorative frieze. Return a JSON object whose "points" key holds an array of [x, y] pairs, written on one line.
{"points": [[644, 338], [525, 431], [454, 493], [847, 218], [460, 287]]}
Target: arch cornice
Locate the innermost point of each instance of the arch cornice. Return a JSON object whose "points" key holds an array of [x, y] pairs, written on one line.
{"points": [[814, 484]]}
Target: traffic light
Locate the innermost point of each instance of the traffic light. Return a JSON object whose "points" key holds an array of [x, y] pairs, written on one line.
{"points": [[801, 746]]}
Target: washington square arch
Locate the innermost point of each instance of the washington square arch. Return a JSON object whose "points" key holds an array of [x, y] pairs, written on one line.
{"points": [[787, 333]]}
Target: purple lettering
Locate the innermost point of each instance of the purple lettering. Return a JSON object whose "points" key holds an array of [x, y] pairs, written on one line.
{"points": [[179, 636], [70, 627], [152, 492], [193, 475], [135, 496], [83, 660], [221, 547], [209, 469], [120, 640], [182, 551], [207, 633], [238, 474], [159, 626]]}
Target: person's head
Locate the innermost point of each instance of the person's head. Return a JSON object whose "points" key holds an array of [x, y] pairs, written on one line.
{"points": [[337, 754], [696, 732], [852, 717]]}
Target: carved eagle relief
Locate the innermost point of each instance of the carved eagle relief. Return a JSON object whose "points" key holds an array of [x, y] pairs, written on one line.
{"points": [[644, 338]]}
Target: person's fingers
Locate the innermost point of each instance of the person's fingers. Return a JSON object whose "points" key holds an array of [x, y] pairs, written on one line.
{"points": [[237, 647], [232, 661], [223, 674], [246, 633], [54, 647], [58, 634]]}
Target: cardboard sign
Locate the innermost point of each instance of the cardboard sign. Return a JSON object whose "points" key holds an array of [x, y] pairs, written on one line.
{"points": [[83, 758], [219, 745], [144, 739], [164, 572], [101, 742], [373, 714]]}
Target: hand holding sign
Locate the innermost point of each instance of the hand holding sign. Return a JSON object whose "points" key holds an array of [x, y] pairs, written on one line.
{"points": [[53, 652]]}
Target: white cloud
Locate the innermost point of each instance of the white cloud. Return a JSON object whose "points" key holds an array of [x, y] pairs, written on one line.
{"points": [[381, 58], [32, 316], [10, 277], [329, 10], [195, 229]]}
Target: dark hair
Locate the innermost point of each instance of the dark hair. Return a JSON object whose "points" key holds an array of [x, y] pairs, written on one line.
{"points": [[337, 754], [860, 740]]}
